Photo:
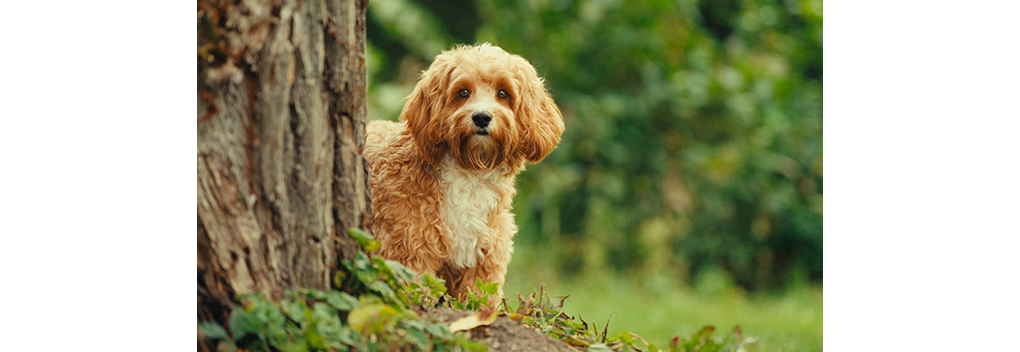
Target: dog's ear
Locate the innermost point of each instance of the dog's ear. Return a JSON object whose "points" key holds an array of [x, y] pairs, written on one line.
{"points": [[424, 104], [540, 119]]}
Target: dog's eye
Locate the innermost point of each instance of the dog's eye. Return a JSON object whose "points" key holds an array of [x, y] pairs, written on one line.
{"points": [[464, 93], [502, 94]]}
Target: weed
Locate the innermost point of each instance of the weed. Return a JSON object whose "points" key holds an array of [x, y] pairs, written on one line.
{"points": [[380, 318], [376, 312], [540, 311]]}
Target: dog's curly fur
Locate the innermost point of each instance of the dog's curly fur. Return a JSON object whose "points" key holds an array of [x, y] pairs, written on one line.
{"points": [[443, 177]]}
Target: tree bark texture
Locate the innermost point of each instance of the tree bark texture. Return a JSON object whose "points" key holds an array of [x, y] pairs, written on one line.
{"points": [[281, 128]]}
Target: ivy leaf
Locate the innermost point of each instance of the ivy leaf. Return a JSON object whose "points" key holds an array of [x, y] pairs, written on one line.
{"points": [[364, 239], [401, 271], [348, 336], [341, 300], [314, 340], [364, 270], [295, 311], [212, 330], [383, 290], [325, 322], [418, 339], [437, 330], [382, 268], [238, 324]]}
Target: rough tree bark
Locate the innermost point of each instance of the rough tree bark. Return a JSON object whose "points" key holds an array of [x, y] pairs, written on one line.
{"points": [[281, 123]]}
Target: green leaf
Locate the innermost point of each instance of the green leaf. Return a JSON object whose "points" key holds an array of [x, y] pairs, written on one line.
{"points": [[471, 345], [338, 279], [294, 346], [709, 346], [418, 339], [238, 324], [383, 290], [364, 239], [327, 323], [440, 331], [699, 338], [322, 312], [348, 336], [364, 270], [212, 330], [341, 300], [381, 267], [625, 337], [315, 340], [489, 288], [401, 271], [598, 347], [436, 284], [372, 318], [295, 310]]}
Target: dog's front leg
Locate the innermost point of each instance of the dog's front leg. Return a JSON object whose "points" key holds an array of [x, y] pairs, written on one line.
{"points": [[419, 247], [490, 270]]}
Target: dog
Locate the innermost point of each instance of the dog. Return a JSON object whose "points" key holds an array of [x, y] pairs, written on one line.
{"points": [[442, 177]]}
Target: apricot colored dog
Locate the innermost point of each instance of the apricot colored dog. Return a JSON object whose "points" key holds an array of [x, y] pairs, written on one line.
{"points": [[443, 177]]}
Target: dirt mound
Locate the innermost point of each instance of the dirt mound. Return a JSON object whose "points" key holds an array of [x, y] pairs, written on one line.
{"points": [[504, 334]]}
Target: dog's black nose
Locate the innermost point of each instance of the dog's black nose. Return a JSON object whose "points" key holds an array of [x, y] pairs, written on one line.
{"points": [[481, 118]]}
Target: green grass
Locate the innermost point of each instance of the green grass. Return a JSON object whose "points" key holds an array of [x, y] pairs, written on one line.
{"points": [[658, 308]]}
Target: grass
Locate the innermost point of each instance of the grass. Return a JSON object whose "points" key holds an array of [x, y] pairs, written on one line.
{"points": [[658, 308], [374, 312]]}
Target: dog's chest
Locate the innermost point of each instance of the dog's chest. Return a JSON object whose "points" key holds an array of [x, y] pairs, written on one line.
{"points": [[471, 197]]}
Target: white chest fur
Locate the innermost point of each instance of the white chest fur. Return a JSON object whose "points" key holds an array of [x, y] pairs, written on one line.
{"points": [[470, 199]]}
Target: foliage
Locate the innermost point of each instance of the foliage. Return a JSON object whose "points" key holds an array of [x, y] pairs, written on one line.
{"points": [[702, 341], [475, 300], [381, 318], [542, 313], [693, 134], [659, 309]]}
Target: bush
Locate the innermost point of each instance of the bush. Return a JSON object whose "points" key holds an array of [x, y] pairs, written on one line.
{"points": [[693, 128]]}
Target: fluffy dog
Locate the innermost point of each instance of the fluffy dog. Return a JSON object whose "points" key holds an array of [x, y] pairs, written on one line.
{"points": [[443, 177]]}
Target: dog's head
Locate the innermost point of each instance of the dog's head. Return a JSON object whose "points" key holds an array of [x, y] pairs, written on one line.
{"points": [[484, 107]]}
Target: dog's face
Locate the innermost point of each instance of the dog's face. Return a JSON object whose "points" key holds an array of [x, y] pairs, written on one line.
{"points": [[484, 107]]}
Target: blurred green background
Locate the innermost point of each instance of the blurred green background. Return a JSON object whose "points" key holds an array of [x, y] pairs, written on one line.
{"points": [[687, 189]]}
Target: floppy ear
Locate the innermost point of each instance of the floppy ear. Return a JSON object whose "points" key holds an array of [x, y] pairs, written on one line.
{"points": [[423, 106], [540, 119]]}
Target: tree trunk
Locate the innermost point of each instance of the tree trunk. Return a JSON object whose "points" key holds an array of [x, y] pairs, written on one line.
{"points": [[281, 127]]}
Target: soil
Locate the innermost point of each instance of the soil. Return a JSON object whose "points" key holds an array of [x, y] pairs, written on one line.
{"points": [[504, 334]]}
